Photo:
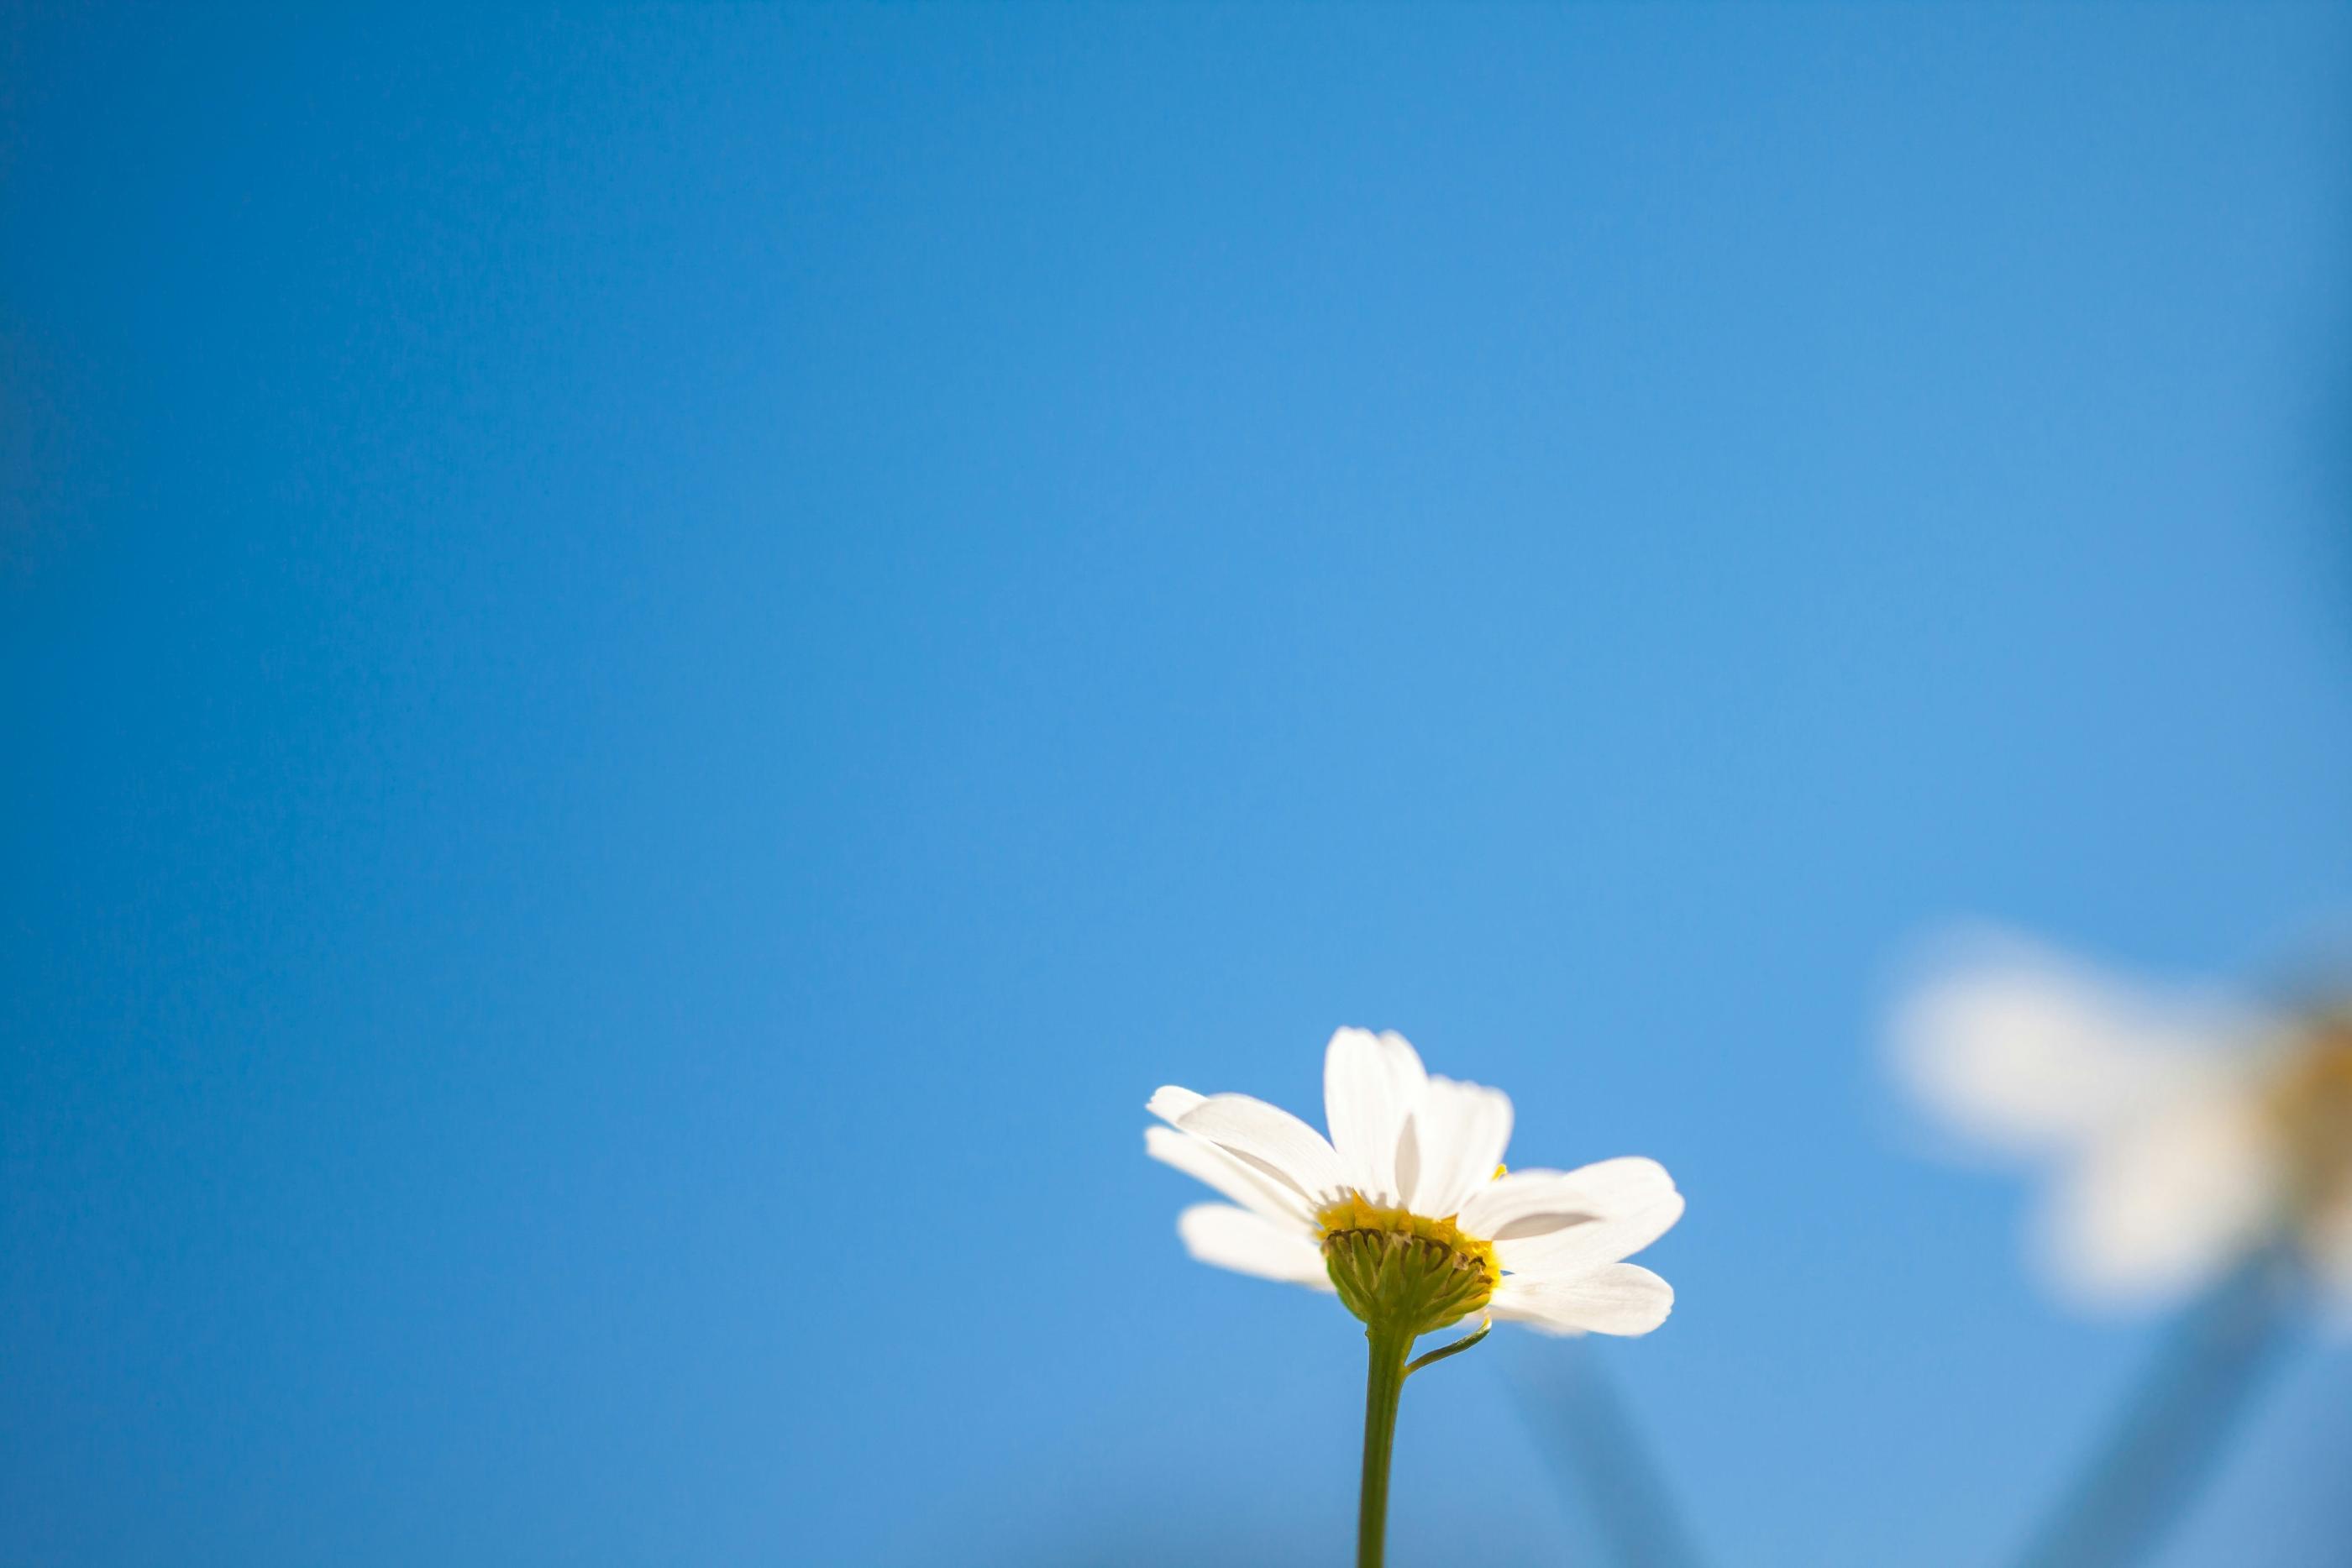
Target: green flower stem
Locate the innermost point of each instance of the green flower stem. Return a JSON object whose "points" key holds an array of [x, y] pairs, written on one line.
{"points": [[2176, 1429], [1456, 1348], [1382, 1389]]}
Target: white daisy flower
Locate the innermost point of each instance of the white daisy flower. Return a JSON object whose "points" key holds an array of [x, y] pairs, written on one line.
{"points": [[2186, 1131], [1406, 1211]]}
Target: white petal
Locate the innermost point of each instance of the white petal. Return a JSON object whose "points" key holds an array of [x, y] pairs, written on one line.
{"points": [[1622, 1299], [1453, 1144], [2165, 1204], [1579, 1249], [1531, 1202], [1247, 1243], [1371, 1085], [1168, 1103], [2025, 1050], [1270, 1140], [1203, 1161]]}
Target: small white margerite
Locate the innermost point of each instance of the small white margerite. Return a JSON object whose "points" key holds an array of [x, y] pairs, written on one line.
{"points": [[1406, 1211], [2187, 1130]]}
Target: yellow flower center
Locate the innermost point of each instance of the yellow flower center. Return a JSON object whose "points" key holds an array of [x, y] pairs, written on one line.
{"points": [[1396, 1268], [2310, 1102]]}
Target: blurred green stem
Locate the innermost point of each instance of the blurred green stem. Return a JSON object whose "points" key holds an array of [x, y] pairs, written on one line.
{"points": [[2175, 1428], [1576, 1412], [1383, 1387]]}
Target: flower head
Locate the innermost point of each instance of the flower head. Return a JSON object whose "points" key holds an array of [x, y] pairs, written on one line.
{"points": [[1406, 1211], [2186, 1131]]}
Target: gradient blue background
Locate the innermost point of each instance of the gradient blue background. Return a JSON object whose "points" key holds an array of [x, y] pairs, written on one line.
{"points": [[657, 662]]}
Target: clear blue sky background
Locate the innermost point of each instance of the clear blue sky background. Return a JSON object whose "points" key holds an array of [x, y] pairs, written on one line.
{"points": [[657, 662]]}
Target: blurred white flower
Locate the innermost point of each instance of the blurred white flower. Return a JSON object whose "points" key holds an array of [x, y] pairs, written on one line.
{"points": [[1406, 1211], [2186, 1130]]}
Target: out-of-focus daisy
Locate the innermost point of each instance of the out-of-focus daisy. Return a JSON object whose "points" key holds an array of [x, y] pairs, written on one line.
{"points": [[2186, 1131], [1406, 1211]]}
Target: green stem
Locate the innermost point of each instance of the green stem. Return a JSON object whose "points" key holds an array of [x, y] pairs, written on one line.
{"points": [[2176, 1429], [1382, 1389], [1456, 1348]]}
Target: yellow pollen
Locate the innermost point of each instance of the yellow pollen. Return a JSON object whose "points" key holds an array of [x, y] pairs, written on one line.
{"points": [[1353, 1212], [1402, 1271], [2310, 1102]]}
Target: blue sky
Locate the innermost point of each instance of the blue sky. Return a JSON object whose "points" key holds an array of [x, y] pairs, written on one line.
{"points": [[659, 661]]}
